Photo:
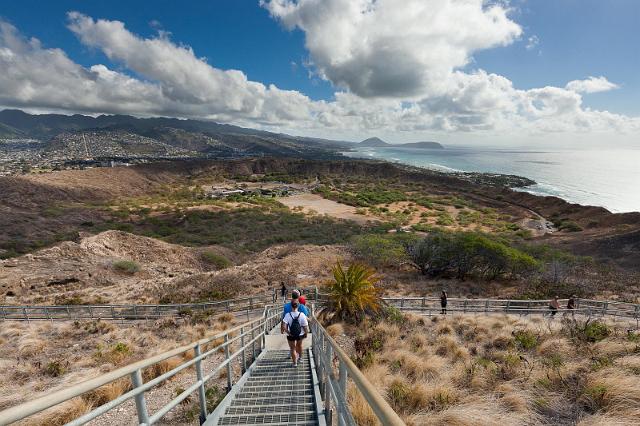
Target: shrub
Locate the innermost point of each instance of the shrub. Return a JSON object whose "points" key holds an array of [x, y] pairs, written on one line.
{"points": [[525, 339], [464, 253], [55, 369], [126, 266], [382, 250], [398, 394], [219, 261], [596, 331], [353, 293]]}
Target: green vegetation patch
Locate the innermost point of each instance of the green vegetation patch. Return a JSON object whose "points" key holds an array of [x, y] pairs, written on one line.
{"points": [[217, 260], [126, 266]]}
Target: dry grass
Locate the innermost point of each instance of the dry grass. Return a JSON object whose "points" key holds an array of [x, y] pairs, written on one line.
{"points": [[464, 370], [54, 356], [61, 414], [336, 329]]}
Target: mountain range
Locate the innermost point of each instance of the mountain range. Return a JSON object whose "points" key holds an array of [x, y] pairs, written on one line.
{"points": [[202, 137]]}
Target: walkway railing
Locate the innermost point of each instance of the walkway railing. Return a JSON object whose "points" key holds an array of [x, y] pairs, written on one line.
{"points": [[333, 385], [249, 336], [586, 307], [133, 312]]}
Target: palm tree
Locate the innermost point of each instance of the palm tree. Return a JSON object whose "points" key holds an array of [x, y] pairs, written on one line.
{"points": [[353, 293]]}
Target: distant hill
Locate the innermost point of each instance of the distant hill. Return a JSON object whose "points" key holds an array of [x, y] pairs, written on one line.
{"points": [[206, 138], [373, 142], [379, 143], [9, 132], [425, 145]]}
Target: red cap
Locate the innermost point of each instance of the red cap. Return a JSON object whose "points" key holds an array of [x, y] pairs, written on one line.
{"points": [[302, 300]]}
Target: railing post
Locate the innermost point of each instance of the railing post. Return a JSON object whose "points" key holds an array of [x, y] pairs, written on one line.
{"points": [[402, 302], [244, 360], [91, 312], [424, 299], [226, 354], [327, 386], [141, 405], [135, 311], [201, 390], [315, 291], [486, 306], [4, 314], [342, 382], [228, 306], [464, 306], [26, 316], [253, 343]]}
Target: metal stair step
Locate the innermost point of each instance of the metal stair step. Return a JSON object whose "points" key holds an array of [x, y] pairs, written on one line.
{"points": [[287, 418], [274, 393], [273, 408], [275, 388], [272, 400]]}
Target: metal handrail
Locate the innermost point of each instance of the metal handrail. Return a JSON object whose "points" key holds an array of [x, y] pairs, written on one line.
{"points": [[586, 307], [250, 334], [135, 312], [127, 312], [334, 389]]}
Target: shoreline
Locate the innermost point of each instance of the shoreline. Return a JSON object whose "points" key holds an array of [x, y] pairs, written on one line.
{"points": [[515, 181]]}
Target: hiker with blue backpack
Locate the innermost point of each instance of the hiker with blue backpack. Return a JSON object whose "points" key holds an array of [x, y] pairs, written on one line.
{"points": [[296, 326]]}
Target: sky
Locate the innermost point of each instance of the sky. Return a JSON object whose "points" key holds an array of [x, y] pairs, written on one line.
{"points": [[506, 72]]}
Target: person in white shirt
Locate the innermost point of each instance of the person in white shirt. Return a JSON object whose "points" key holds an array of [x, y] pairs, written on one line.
{"points": [[296, 326]]}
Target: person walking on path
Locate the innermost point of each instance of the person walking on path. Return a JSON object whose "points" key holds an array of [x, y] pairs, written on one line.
{"points": [[571, 305], [283, 291], [296, 327], [295, 297], [554, 305], [443, 302]]}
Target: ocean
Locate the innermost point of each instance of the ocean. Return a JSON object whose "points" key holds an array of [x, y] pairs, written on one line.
{"points": [[597, 177]]}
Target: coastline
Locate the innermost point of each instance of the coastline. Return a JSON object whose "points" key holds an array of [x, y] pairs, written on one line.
{"points": [[578, 177]]}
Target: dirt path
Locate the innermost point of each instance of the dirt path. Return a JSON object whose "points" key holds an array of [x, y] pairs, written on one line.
{"points": [[321, 205]]}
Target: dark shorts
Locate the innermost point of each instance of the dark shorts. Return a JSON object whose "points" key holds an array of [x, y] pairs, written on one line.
{"points": [[293, 339]]}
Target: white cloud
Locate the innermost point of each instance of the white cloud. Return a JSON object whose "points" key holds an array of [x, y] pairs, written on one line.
{"points": [[402, 70], [591, 85], [394, 48]]}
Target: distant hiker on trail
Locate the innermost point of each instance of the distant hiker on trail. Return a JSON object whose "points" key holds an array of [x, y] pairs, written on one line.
{"points": [[571, 305], [295, 296], [283, 291], [296, 326], [554, 305], [443, 302]]}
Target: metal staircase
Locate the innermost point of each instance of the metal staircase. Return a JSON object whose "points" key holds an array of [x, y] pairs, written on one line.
{"points": [[273, 392]]}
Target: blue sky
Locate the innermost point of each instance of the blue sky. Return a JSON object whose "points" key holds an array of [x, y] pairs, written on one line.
{"points": [[231, 34], [567, 40]]}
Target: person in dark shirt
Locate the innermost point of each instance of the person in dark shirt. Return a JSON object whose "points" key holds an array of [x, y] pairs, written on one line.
{"points": [[554, 305], [571, 305], [283, 290], [443, 302]]}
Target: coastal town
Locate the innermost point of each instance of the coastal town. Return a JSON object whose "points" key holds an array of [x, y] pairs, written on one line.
{"points": [[81, 150]]}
